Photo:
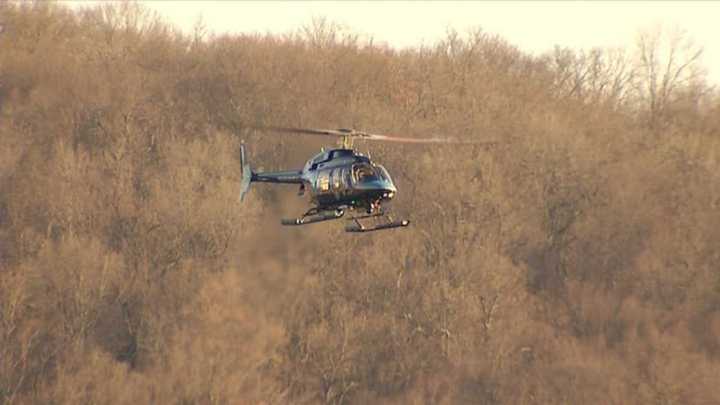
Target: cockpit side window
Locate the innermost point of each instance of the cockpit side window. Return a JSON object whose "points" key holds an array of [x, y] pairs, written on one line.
{"points": [[363, 172]]}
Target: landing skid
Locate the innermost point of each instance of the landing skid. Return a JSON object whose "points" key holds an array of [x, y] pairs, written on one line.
{"points": [[379, 219], [313, 216], [357, 226]]}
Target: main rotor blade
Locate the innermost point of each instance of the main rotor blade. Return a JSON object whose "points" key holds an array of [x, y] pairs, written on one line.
{"points": [[402, 139], [311, 131], [369, 136]]}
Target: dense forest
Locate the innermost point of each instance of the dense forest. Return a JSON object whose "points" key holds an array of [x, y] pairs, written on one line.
{"points": [[573, 261]]}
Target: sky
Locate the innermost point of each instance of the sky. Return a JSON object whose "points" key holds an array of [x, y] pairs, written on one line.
{"points": [[533, 26]]}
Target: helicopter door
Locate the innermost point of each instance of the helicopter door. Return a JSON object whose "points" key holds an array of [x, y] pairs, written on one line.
{"points": [[347, 179], [338, 185]]}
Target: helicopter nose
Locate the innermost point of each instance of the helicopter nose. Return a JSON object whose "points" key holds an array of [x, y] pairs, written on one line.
{"points": [[388, 195], [389, 191], [382, 189], [386, 190]]}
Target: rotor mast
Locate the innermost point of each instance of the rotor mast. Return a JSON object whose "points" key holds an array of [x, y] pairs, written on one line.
{"points": [[346, 142]]}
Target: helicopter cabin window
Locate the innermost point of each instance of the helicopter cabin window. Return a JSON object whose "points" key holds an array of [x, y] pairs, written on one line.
{"points": [[336, 179], [341, 153], [323, 181], [323, 157]]}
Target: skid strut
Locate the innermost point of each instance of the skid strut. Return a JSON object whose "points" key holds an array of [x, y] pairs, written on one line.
{"points": [[357, 226]]}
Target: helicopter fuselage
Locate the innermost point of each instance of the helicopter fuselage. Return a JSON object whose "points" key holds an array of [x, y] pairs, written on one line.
{"points": [[338, 178]]}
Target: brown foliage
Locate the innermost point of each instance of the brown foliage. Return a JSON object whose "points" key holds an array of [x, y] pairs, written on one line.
{"points": [[576, 262]]}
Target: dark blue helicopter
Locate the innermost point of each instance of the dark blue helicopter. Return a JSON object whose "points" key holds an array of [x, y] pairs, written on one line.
{"points": [[339, 180]]}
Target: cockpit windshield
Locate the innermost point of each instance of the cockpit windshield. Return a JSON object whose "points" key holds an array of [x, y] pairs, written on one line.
{"points": [[363, 172], [383, 173]]}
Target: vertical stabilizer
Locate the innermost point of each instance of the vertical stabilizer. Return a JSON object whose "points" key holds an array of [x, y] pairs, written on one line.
{"points": [[246, 173]]}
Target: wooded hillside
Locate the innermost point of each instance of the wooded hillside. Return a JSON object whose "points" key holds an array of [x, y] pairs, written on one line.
{"points": [[575, 262]]}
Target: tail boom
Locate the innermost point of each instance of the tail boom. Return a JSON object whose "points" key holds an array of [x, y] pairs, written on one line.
{"points": [[286, 177], [249, 176]]}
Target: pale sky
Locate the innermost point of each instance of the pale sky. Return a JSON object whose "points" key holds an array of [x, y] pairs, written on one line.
{"points": [[533, 26]]}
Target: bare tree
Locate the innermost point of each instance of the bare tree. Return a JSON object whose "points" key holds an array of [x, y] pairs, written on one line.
{"points": [[595, 76], [668, 61]]}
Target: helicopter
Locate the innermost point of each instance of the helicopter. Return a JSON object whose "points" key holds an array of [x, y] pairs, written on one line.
{"points": [[339, 180]]}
